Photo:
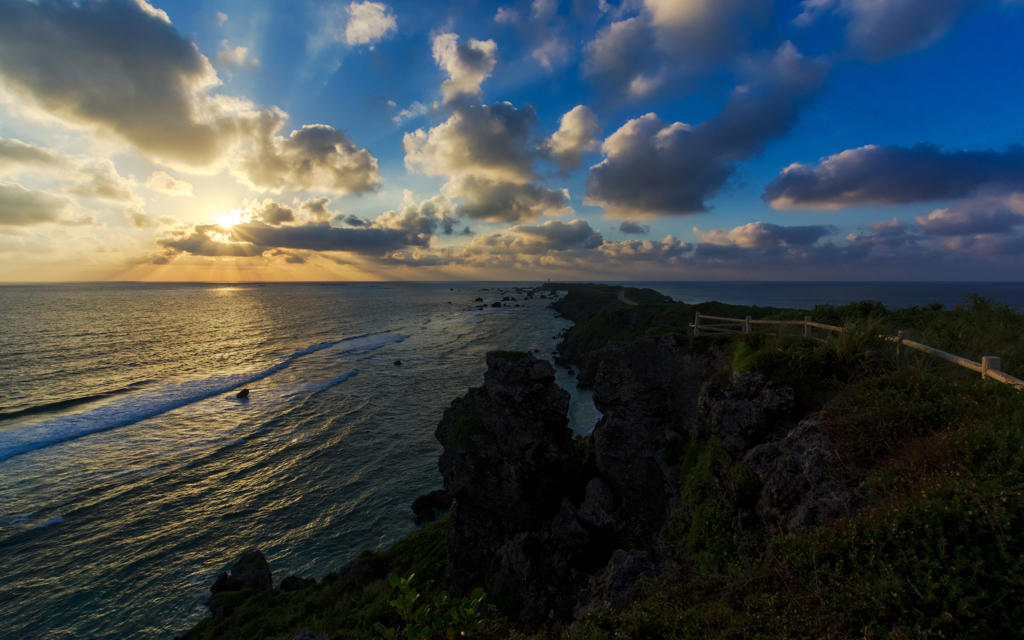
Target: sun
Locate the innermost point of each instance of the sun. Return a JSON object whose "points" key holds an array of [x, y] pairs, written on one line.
{"points": [[232, 218]]}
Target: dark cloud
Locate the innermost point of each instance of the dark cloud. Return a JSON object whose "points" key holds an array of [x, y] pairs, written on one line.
{"points": [[628, 226], [895, 175], [652, 169], [353, 221], [21, 207], [670, 41], [986, 216], [120, 66], [881, 29], [15, 155], [559, 236], [497, 201], [254, 238], [762, 234]]}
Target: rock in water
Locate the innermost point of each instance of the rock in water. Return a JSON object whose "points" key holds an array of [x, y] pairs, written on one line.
{"points": [[508, 461], [398, 363], [244, 393], [424, 505]]}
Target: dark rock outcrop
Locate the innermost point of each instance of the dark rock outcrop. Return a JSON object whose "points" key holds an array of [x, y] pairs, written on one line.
{"points": [[617, 585], [250, 572], [745, 411], [509, 461], [796, 490], [244, 393], [424, 506], [295, 583]]}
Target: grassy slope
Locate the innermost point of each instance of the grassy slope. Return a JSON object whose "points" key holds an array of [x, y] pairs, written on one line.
{"points": [[939, 549]]}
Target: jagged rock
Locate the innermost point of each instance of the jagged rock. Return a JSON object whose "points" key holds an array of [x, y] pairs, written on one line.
{"points": [[796, 492], [566, 533], [309, 635], [648, 393], [509, 461], [244, 393], [251, 571], [295, 583], [598, 510], [617, 585], [745, 411], [423, 506]]}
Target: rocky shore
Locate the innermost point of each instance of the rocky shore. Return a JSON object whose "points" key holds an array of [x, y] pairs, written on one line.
{"points": [[696, 469]]}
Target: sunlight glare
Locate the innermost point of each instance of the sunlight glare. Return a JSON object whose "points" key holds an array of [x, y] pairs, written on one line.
{"points": [[232, 218]]}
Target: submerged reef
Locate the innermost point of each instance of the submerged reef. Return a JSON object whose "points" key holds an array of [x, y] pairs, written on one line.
{"points": [[751, 485]]}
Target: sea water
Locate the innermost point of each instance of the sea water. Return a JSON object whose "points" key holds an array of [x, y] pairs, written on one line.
{"points": [[130, 474]]}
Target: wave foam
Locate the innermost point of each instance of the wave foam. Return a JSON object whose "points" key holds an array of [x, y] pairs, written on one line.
{"points": [[145, 405]]}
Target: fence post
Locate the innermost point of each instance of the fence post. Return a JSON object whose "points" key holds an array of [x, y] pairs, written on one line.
{"points": [[807, 327], [696, 324], [746, 325], [988, 363]]}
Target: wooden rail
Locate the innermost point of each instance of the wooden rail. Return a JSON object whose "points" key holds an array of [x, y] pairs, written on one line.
{"points": [[990, 367]]}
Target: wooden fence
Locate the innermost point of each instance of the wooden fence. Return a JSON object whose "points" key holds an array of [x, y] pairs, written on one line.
{"points": [[990, 367]]}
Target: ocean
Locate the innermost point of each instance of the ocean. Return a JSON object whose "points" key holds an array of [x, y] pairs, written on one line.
{"points": [[131, 475]]}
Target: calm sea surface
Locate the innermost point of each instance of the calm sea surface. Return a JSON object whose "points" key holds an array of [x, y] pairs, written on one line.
{"points": [[130, 475]]}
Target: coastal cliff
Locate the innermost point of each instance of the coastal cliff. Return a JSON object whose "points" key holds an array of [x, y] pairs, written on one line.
{"points": [[736, 486]]}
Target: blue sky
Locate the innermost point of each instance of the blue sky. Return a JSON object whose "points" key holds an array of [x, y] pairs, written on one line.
{"points": [[647, 139]]}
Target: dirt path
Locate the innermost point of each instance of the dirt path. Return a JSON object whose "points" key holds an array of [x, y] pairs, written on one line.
{"points": [[622, 296]]}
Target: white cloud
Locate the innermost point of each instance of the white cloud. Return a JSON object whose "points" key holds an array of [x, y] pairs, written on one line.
{"points": [[414, 110], [467, 64], [99, 179], [163, 183], [577, 134], [506, 15], [221, 18], [369, 23], [238, 57]]}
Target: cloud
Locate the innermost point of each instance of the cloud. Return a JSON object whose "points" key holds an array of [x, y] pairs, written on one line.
{"points": [[369, 23], [16, 156], [506, 15], [670, 40], [985, 216], [238, 57], [314, 157], [577, 134], [21, 207], [503, 201], [628, 226], [221, 17], [895, 175], [652, 169], [316, 209], [119, 67], [487, 153], [161, 182], [467, 64], [263, 227], [270, 212], [99, 179], [761, 234], [880, 29], [138, 218], [414, 111]]}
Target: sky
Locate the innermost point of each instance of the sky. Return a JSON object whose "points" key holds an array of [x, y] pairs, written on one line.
{"points": [[256, 140]]}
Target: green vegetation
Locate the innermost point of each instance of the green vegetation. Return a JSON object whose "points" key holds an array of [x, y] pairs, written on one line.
{"points": [[449, 618], [342, 606]]}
